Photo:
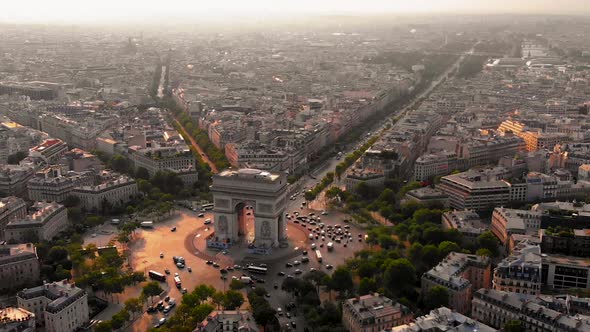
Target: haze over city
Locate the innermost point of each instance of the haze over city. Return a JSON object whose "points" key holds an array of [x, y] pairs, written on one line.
{"points": [[193, 11], [302, 166]]}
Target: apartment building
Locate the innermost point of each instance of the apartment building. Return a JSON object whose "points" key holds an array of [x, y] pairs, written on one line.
{"points": [[50, 150], [51, 185], [571, 242], [373, 312], [13, 180], [16, 320], [355, 176], [460, 274], [520, 272], [506, 222], [484, 150], [172, 158], [562, 272], [427, 195], [467, 222], [496, 308], [476, 190], [59, 306], [45, 222], [537, 140], [228, 320], [443, 320], [11, 208], [116, 191], [429, 166], [19, 266]]}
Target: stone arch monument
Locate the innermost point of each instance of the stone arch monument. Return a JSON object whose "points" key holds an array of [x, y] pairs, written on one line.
{"points": [[267, 192]]}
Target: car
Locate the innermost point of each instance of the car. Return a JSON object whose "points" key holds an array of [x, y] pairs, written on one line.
{"points": [[329, 267], [172, 303], [321, 245], [346, 226], [160, 305], [209, 262], [223, 271], [296, 221], [304, 253], [223, 277], [288, 265], [360, 235], [201, 215], [230, 268], [167, 309], [180, 265], [324, 213], [312, 270], [313, 246], [215, 264], [288, 314], [281, 274], [305, 260], [224, 252], [298, 271], [293, 324], [260, 281], [189, 269], [184, 291], [151, 309], [207, 222], [160, 322], [344, 245], [237, 267], [176, 274], [173, 229], [295, 263], [167, 271], [279, 311], [275, 285], [161, 255]]}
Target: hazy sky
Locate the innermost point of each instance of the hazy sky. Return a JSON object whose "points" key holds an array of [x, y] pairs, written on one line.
{"points": [[80, 11]]}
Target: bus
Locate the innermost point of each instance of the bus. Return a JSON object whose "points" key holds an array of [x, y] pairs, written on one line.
{"points": [[257, 269], [177, 282], [157, 276], [207, 207], [318, 255]]}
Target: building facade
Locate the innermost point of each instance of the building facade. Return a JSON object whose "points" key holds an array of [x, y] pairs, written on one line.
{"points": [[11, 208], [116, 192], [45, 223], [373, 312], [19, 266], [59, 306], [460, 274]]}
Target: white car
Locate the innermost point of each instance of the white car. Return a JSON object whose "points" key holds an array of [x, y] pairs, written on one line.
{"points": [[324, 213]]}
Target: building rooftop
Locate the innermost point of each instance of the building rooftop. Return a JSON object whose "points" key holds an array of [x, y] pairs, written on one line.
{"points": [[448, 271], [444, 319], [249, 173], [13, 252], [374, 305], [60, 293], [11, 315]]}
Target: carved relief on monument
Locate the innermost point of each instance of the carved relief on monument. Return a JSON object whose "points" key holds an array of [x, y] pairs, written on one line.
{"points": [[222, 203], [222, 224], [265, 230]]}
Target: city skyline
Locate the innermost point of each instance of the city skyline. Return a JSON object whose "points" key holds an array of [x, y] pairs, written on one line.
{"points": [[186, 12]]}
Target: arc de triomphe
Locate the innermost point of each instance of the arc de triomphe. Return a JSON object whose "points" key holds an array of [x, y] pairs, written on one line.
{"points": [[267, 192]]}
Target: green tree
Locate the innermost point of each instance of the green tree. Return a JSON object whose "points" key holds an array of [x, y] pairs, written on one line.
{"points": [[120, 164], [232, 300], [134, 305], [399, 274], [447, 247], [342, 280], [236, 284], [484, 252], [151, 289], [514, 326], [367, 286], [142, 173], [487, 240], [104, 326], [437, 296]]}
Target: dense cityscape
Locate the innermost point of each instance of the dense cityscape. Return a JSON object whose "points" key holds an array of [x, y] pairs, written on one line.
{"points": [[364, 174]]}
